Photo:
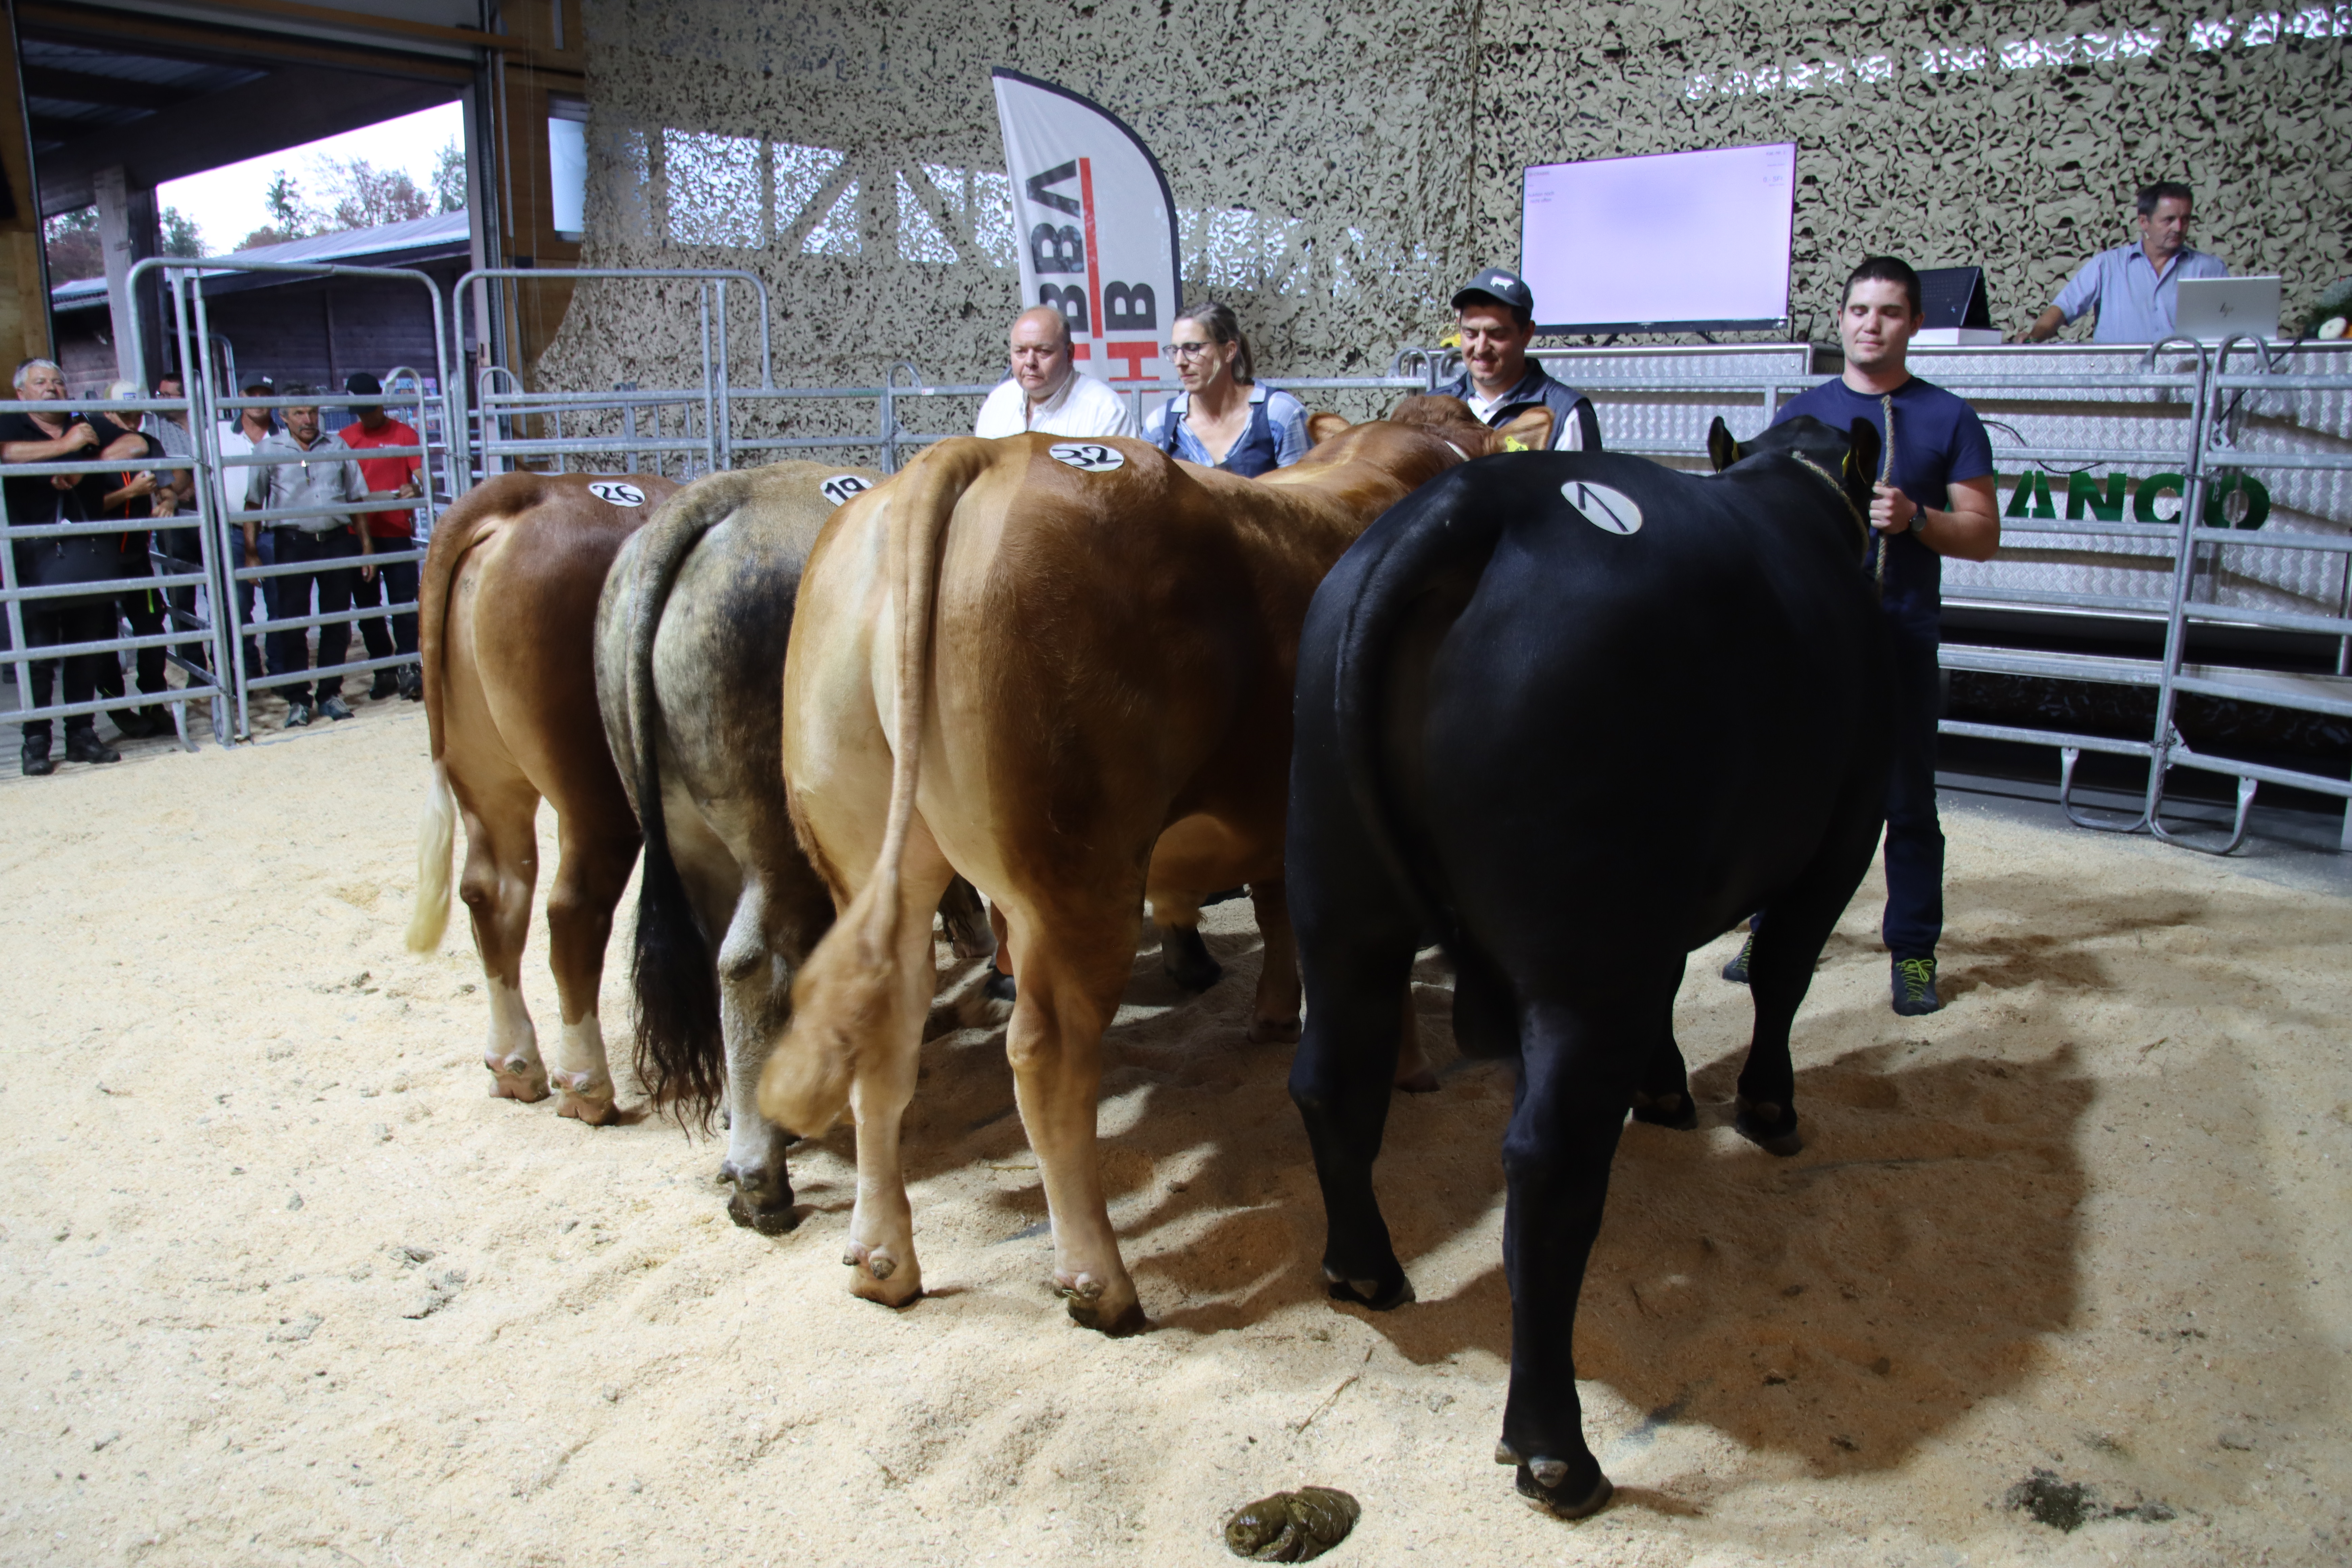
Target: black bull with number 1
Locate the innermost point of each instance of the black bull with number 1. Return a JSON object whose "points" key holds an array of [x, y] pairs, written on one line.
{"points": [[1575, 715]]}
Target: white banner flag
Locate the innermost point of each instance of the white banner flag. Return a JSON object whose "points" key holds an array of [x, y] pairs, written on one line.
{"points": [[1095, 224]]}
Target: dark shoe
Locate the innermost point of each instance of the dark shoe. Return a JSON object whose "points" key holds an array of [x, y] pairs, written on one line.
{"points": [[386, 682], [35, 758], [84, 746], [412, 683], [1915, 987], [1737, 970], [133, 725], [999, 986], [334, 708], [296, 715]]}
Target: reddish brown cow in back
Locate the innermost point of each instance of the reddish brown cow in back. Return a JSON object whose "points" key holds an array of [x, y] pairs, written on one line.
{"points": [[1063, 669], [506, 627]]}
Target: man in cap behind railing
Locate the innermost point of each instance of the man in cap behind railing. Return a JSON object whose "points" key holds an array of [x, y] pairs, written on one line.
{"points": [[387, 478], [309, 472]]}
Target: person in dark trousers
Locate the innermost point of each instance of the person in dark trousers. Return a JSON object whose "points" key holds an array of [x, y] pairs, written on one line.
{"points": [[1934, 498], [308, 472], [135, 495], [171, 432], [32, 500], [388, 478]]}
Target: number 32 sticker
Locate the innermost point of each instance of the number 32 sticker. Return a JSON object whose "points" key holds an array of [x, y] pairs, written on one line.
{"points": [[614, 493], [841, 487], [1087, 457]]}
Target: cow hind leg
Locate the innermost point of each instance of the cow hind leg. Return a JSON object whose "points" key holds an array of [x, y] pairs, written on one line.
{"points": [[754, 1002], [1070, 975], [1273, 1013], [1661, 1095], [501, 867], [1340, 1080], [594, 869], [1576, 1077], [1780, 971]]}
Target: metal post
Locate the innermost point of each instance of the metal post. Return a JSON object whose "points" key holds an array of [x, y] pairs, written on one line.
{"points": [[2176, 626]]}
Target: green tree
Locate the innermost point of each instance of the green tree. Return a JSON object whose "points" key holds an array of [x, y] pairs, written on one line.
{"points": [[72, 243], [287, 213], [365, 196], [181, 236], [449, 178]]}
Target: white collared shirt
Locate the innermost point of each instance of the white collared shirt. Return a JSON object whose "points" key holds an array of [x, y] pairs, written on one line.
{"points": [[1080, 406]]}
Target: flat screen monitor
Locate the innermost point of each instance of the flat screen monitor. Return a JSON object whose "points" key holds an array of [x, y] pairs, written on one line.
{"points": [[1670, 242]]}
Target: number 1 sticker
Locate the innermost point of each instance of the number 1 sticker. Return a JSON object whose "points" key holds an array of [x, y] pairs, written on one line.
{"points": [[1611, 512]]}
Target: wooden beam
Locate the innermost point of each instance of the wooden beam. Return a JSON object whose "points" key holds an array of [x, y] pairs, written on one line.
{"points": [[320, 15], [113, 92], [231, 46]]}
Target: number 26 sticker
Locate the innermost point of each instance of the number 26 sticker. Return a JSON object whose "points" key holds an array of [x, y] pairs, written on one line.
{"points": [[1087, 457], [614, 493]]}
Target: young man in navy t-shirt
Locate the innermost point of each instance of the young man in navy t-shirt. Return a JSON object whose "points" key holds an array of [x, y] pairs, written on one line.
{"points": [[1936, 499]]}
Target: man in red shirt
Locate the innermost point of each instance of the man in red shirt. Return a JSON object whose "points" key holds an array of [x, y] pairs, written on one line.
{"points": [[388, 478]]}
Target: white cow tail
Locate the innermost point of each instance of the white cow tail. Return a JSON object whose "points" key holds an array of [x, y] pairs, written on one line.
{"points": [[436, 834]]}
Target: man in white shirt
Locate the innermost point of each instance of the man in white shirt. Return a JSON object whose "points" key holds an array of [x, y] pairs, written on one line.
{"points": [[1046, 393]]}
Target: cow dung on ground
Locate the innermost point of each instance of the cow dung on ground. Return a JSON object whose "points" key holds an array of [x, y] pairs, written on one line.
{"points": [[2087, 1221]]}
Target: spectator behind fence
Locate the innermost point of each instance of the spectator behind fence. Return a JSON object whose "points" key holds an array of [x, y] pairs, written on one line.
{"points": [[388, 478], [305, 471], [132, 495], [1046, 393], [171, 433], [32, 500], [238, 437]]}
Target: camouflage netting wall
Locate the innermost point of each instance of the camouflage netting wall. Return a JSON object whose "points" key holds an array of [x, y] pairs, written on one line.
{"points": [[1340, 165]]}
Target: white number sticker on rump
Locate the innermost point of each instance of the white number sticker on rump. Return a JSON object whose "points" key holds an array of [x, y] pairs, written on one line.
{"points": [[614, 493], [841, 487], [1087, 457], [1611, 512]]}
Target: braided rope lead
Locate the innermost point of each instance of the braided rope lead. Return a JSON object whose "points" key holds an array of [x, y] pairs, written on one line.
{"points": [[1885, 477]]}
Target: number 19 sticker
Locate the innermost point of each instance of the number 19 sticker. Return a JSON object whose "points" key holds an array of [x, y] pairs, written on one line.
{"points": [[841, 487], [1087, 457]]}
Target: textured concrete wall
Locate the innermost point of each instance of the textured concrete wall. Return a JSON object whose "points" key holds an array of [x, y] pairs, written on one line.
{"points": [[1340, 164]]}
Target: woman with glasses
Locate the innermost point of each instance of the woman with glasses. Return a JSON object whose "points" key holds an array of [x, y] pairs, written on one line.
{"points": [[1222, 418]]}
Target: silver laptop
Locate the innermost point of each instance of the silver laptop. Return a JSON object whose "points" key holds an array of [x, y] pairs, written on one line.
{"points": [[2211, 309]]}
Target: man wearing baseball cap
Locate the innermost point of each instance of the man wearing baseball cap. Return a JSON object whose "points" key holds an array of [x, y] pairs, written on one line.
{"points": [[1496, 315]]}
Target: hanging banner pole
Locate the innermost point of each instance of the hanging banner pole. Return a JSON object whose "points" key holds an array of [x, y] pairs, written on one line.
{"points": [[1096, 225]]}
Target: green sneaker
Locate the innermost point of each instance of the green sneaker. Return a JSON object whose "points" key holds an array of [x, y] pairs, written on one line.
{"points": [[1915, 987], [1737, 970]]}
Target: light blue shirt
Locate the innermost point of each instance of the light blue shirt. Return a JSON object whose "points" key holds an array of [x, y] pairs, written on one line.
{"points": [[1284, 416], [2135, 305]]}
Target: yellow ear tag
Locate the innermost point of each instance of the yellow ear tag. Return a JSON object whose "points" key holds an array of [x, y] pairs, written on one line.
{"points": [[1513, 443]]}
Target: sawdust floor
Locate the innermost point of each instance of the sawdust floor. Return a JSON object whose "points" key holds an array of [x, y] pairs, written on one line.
{"points": [[278, 1284]]}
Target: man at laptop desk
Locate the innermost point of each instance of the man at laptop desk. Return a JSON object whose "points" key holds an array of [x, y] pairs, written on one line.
{"points": [[2135, 288]]}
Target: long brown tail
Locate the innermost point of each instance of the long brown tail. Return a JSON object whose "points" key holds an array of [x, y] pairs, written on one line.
{"points": [[844, 991], [505, 496]]}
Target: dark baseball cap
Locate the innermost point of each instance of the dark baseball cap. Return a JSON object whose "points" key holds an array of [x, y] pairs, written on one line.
{"points": [[258, 383], [360, 384], [1503, 288]]}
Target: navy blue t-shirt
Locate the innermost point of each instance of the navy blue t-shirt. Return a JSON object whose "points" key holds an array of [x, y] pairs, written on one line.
{"points": [[1939, 441]]}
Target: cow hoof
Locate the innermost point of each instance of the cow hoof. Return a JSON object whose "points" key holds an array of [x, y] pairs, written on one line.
{"points": [[1674, 1110], [1274, 1032], [515, 1079], [1374, 1295], [1506, 1455], [1770, 1127], [767, 1219], [880, 1276], [575, 1099], [1421, 1083], [1542, 1481], [1186, 958]]}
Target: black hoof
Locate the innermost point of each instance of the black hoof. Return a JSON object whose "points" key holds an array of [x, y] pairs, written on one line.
{"points": [[1187, 959], [1562, 1500], [1676, 1111], [1377, 1295], [1771, 1128], [1086, 1315], [768, 1219]]}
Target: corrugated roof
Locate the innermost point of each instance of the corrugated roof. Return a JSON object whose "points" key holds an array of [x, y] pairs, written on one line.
{"points": [[352, 245]]}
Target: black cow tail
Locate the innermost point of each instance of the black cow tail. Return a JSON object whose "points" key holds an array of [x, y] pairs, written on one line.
{"points": [[680, 1054], [1404, 566]]}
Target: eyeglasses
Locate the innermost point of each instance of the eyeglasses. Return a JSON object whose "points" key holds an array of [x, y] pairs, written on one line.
{"points": [[1184, 351]]}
